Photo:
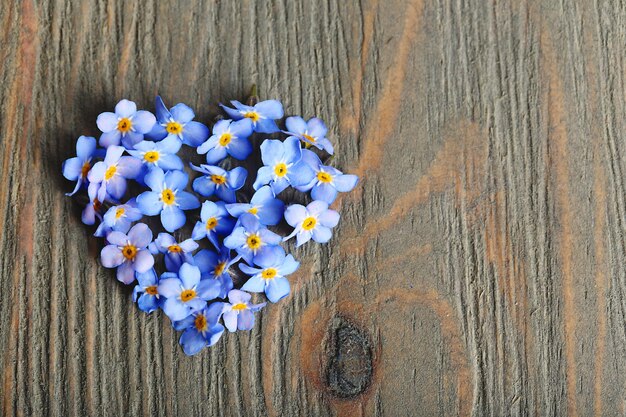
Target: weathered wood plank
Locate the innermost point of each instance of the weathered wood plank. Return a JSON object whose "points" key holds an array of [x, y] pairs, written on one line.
{"points": [[479, 268]]}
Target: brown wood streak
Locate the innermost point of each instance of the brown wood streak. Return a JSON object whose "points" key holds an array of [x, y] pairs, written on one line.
{"points": [[21, 92], [558, 137], [465, 145], [381, 125]]}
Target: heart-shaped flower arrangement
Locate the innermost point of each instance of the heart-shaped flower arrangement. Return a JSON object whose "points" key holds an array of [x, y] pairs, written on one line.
{"points": [[197, 291]]}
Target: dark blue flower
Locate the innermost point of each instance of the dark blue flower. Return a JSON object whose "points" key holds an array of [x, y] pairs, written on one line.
{"points": [[167, 198], [313, 221], [238, 313], [251, 240], [201, 328], [263, 205], [327, 181], [283, 165], [146, 293], [77, 168], [178, 122], [175, 253], [113, 172], [120, 217], [126, 125], [219, 182], [159, 154], [229, 138], [214, 221], [271, 276], [128, 253], [216, 266], [312, 132], [262, 114], [185, 293]]}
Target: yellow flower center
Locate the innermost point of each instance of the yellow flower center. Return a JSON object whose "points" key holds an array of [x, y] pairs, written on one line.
{"points": [[151, 156], [254, 241], [129, 251], [252, 115], [219, 268], [269, 273], [200, 323], [309, 223], [253, 210], [174, 249], [119, 212], [218, 179], [239, 306], [152, 290], [85, 169], [110, 172], [308, 137], [124, 125], [280, 169], [211, 223], [324, 177], [187, 295], [225, 139], [167, 196], [174, 128]]}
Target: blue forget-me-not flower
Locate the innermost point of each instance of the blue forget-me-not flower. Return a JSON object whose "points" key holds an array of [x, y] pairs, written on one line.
{"points": [[313, 221], [167, 198], [262, 114], [283, 165], [128, 253], [229, 138], [178, 122], [185, 293], [126, 126], [219, 182], [271, 276]]}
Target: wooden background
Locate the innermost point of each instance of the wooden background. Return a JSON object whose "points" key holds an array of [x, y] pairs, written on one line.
{"points": [[479, 269]]}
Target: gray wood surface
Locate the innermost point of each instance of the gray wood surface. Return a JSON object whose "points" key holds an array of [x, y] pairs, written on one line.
{"points": [[479, 268]]}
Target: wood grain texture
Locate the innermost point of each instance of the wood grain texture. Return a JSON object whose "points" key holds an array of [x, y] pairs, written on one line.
{"points": [[479, 268]]}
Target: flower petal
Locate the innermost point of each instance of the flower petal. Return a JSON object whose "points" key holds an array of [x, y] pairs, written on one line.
{"points": [[254, 284], [294, 214], [189, 275], [324, 192], [111, 256], [182, 113], [328, 218], [85, 147], [296, 125], [172, 218], [322, 234], [192, 342], [126, 273], [176, 180], [272, 109], [107, 122], [277, 288], [143, 261], [143, 121], [187, 201], [169, 287], [345, 182], [140, 235], [272, 151], [125, 108], [149, 203], [194, 133]]}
